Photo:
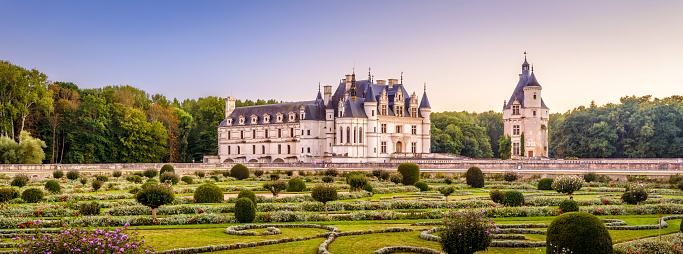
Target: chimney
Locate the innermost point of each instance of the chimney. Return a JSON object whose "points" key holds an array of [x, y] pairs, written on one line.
{"points": [[381, 82], [392, 82], [327, 95], [229, 106]]}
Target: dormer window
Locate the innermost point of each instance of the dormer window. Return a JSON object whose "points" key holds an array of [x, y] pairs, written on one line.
{"points": [[515, 109], [266, 118], [292, 116], [242, 119], [229, 121], [302, 116], [383, 110], [413, 112], [279, 117], [254, 119]]}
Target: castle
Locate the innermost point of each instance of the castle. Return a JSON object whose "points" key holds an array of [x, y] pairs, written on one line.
{"points": [[363, 121], [525, 117]]}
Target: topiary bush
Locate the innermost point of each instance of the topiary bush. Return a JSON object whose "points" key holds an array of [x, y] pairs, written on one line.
{"points": [[410, 173], [169, 177], [96, 185], [57, 174], [7, 194], [274, 176], [328, 179], [514, 198], [289, 172], [324, 193], [245, 210], [208, 193], [331, 172], [569, 205], [240, 172], [53, 186], [475, 177], [590, 177], [117, 173], [545, 184], [215, 178], [384, 175], [466, 232], [166, 168], [634, 195], [578, 232], [510, 176], [72, 175], [258, 173], [275, 187], [32, 195], [187, 179], [422, 186], [296, 185], [567, 184], [20, 180], [368, 188], [247, 193], [150, 172], [84, 181], [357, 182], [225, 173], [157, 195], [448, 181], [396, 178], [377, 172], [497, 196], [89, 208], [446, 191], [134, 179], [102, 178], [200, 174]]}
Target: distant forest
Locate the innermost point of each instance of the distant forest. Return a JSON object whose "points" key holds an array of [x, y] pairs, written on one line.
{"points": [[68, 124]]}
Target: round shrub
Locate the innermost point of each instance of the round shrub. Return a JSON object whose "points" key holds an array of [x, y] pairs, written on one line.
{"points": [[323, 194], [497, 196], [96, 185], [134, 179], [289, 172], [53, 186], [545, 184], [357, 182], [240, 172], [590, 177], [578, 232], [84, 181], [309, 180], [72, 175], [166, 168], [396, 178], [422, 186], [247, 193], [89, 208], [410, 173], [20, 180], [150, 173], [215, 178], [274, 176], [245, 210], [32, 195], [225, 173], [155, 196], [258, 173], [7, 194], [368, 188], [635, 195], [169, 177], [510, 176], [569, 205], [446, 191], [275, 187], [57, 174], [296, 185], [200, 174], [567, 184], [475, 177], [328, 179], [377, 172], [102, 178], [514, 198], [208, 193], [448, 181], [384, 175], [186, 179], [331, 172], [117, 173]]}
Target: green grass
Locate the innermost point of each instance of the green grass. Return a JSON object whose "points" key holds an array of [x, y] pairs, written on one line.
{"points": [[362, 244]]}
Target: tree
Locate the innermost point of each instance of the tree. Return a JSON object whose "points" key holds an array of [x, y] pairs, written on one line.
{"points": [[275, 187], [504, 147], [567, 184], [447, 191], [154, 196], [29, 150], [324, 193], [22, 91], [522, 145]]}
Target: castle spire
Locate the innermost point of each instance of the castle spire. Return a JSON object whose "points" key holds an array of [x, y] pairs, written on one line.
{"points": [[401, 78], [369, 76]]}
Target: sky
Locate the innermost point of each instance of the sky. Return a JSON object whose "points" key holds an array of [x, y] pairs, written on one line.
{"points": [[469, 53]]}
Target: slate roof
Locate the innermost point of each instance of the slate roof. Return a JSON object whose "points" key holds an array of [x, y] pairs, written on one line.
{"points": [[425, 101], [525, 80], [271, 109]]}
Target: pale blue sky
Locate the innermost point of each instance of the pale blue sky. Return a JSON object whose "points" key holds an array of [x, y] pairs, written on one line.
{"points": [[468, 52]]}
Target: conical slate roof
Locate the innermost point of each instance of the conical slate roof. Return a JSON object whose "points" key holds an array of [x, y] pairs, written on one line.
{"points": [[525, 79], [425, 102]]}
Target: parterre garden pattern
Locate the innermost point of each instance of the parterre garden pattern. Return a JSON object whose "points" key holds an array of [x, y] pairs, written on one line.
{"points": [[384, 216]]}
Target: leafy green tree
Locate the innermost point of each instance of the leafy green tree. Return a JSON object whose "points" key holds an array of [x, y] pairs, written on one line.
{"points": [[504, 147]]}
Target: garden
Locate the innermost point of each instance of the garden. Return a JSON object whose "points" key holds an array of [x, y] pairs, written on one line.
{"points": [[250, 210]]}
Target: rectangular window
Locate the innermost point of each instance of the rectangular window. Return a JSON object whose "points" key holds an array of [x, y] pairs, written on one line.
{"points": [[228, 135], [266, 133], [308, 149], [279, 133], [302, 132], [373, 112], [253, 134], [413, 147], [413, 129], [399, 129], [384, 110], [241, 134], [399, 110], [291, 132], [413, 112], [534, 112], [308, 132], [515, 130], [279, 149], [515, 109], [384, 128], [229, 149], [515, 149], [253, 148], [383, 149]]}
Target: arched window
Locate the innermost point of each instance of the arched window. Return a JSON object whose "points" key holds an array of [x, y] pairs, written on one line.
{"points": [[263, 149], [289, 149], [348, 135], [341, 135], [355, 134], [360, 135]]}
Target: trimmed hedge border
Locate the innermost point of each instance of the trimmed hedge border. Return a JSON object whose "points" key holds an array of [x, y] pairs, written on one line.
{"points": [[407, 249]]}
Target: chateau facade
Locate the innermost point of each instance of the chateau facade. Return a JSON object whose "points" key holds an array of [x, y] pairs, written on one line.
{"points": [[362, 121], [525, 117]]}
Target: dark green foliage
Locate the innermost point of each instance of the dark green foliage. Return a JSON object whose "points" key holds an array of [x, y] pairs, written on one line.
{"points": [[410, 173], [327, 179], [590, 177], [545, 184], [505, 147], [674, 179], [635, 195], [200, 174], [53, 186], [134, 190], [138, 173], [245, 210], [357, 182], [225, 173], [296, 185], [150, 172], [57, 174], [377, 172], [475, 177], [331, 172], [89, 208], [368, 188], [569, 205], [149, 182], [208, 193], [468, 134], [578, 232], [96, 185], [215, 178], [240, 172], [447, 191], [155, 196], [510, 176], [309, 180], [396, 178], [166, 168], [274, 176], [85, 180], [497, 196], [134, 178], [247, 193], [20, 180], [258, 173], [102, 178], [422, 186], [324, 193], [187, 179], [117, 173], [6, 194], [169, 177], [384, 175], [289, 173], [448, 181], [680, 185], [514, 198], [275, 187], [32, 195]]}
